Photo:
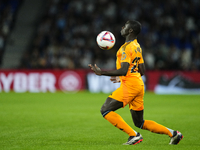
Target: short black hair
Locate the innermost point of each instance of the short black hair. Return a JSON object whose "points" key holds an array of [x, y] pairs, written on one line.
{"points": [[136, 26]]}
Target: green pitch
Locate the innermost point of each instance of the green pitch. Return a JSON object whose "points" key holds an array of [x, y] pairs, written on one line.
{"points": [[59, 121]]}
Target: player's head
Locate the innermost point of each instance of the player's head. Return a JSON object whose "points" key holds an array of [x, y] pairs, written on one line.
{"points": [[131, 27]]}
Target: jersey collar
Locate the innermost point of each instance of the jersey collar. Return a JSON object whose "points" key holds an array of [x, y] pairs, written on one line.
{"points": [[130, 40]]}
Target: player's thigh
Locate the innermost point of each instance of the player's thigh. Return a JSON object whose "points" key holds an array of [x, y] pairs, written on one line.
{"points": [[121, 94], [111, 105], [137, 103]]}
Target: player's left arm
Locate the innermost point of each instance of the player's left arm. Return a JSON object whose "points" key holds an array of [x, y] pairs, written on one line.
{"points": [[118, 72]]}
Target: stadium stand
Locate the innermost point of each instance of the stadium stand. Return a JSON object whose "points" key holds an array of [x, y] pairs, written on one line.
{"points": [[8, 11], [66, 34]]}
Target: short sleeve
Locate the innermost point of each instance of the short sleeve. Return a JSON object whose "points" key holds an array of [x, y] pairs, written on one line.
{"points": [[126, 56]]}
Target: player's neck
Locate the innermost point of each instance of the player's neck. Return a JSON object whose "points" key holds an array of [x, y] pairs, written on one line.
{"points": [[129, 39]]}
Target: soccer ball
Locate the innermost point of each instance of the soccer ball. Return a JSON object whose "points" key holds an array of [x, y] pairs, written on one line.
{"points": [[105, 40]]}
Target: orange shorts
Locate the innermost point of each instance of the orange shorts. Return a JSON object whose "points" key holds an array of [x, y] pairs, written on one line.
{"points": [[130, 95]]}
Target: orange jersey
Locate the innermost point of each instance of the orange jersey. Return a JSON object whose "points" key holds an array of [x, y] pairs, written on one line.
{"points": [[130, 52]]}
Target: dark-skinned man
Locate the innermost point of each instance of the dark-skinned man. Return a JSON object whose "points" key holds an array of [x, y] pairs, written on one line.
{"points": [[129, 69]]}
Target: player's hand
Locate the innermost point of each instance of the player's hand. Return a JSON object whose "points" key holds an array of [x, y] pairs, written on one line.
{"points": [[115, 79], [95, 68]]}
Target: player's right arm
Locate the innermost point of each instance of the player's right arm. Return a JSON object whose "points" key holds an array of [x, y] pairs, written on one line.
{"points": [[141, 65], [115, 79], [141, 68]]}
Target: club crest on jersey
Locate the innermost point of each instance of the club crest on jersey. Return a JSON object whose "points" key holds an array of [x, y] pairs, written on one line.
{"points": [[123, 56], [138, 49]]}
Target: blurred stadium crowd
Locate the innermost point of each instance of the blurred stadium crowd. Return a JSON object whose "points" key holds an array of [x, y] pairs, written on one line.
{"points": [[8, 11], [66, 34]]}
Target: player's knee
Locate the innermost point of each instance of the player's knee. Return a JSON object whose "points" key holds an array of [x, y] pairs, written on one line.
{"points": [[104, 111], [139, 124]]}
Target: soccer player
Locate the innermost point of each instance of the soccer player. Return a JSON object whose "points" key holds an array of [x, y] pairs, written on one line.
{"points": [[129, 69]]}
